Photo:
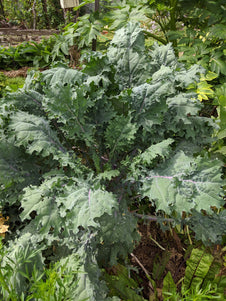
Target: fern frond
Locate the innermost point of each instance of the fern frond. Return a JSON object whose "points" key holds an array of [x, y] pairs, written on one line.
{"points": [[201, 266]]}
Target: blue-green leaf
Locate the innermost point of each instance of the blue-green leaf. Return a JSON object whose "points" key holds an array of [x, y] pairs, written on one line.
{"points": [[183, 184]]}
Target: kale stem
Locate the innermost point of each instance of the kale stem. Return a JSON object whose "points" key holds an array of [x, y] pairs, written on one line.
{"points": [[152, 218]]}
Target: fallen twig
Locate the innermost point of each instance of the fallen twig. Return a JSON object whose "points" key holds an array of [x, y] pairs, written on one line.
{"points": [[145, 271]]}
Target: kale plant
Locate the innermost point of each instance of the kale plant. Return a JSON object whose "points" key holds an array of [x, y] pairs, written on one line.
{"points": [[80, 148]]}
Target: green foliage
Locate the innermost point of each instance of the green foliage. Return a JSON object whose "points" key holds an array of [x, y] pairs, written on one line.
{"points": [[122, 285], [55, 283], [14, 83], [2, 83], [13, 266], [169, 288], [123, 12], [201, 281], [76, 146], [215, 223], [35, 54], [8, 84], [196, 29], [86, 30], [220, 101], [187, 188], [21, 12]]}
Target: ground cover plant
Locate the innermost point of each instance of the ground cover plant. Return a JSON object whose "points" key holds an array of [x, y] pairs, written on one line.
{"points": [[32, 54], [82, 150], [8, 84], [200, 272]]}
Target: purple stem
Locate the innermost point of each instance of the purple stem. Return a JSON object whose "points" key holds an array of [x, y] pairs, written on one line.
{"points": [[13, 168], [36, 101]]}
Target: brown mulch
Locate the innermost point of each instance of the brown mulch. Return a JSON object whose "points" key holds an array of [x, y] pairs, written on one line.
{"points": [[155, 260], [160, 252], [15, 73]]}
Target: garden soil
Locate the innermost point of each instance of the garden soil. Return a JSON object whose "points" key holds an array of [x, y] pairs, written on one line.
{"points": [[158, 253], [15, 73]]}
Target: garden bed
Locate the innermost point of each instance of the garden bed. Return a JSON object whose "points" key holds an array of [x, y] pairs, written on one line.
{"points": [[14, 36]]}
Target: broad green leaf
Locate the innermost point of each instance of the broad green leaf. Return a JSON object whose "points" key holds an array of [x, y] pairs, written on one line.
{"points": [[185, 77], [204, 90], [12, 162], [218, 66], [198, 266], [148, 103], [41, 201], [127, 54], [60, 205], [82, 205], [35, 134], [158, 150], [112, 233], [88, 30], [183, 184], [98, 64], [169, 285], [125, 14], [120, 133], [17, 170], [108, 174], [182, 108], [161, 149], [215, 224], [29, 101], [63, 76], [90, 287], [162, 56], [68, 106]]}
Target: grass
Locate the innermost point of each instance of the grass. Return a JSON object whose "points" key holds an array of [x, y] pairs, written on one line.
{"points": [[10, 84]]}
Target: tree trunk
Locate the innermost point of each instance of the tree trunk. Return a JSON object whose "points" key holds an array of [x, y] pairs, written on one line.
{"points": [[44, 7], [97, 5], [34, 14], [94, 42], [2, 9]]}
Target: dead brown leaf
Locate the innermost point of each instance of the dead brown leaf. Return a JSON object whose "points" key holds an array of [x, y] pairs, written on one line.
{"points": [[3, 228]]}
